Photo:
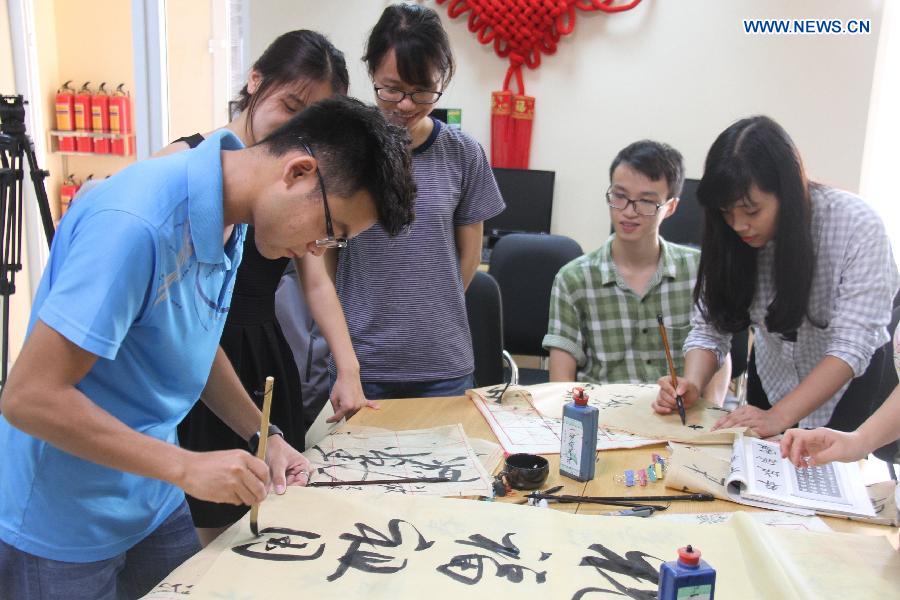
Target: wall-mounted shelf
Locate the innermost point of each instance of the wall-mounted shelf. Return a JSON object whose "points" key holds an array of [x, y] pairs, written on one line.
{"points": [[56, 135], [93, 134]]}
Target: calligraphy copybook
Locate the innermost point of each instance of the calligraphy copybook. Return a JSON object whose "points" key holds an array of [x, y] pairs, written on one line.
{"points": [[759, 473], [721, 471]]}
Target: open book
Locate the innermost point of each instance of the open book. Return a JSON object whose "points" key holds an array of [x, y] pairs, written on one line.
{"points": [[761, 477]]}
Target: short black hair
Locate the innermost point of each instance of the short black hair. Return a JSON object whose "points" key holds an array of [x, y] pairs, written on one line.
{"points": [[418, 39], [356, 149], [654, 160]]}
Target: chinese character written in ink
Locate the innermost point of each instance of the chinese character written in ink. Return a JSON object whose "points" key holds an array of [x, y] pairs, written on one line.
{"points": [[469, 568], [495, 393], [695, 426], [174, 588], [769, 484], [705, 475], [370, 561], [281, 548], [633, 564], [772, 473]]}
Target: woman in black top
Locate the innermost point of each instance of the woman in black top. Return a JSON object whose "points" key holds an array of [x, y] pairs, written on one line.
{"points": [[297, 69]]}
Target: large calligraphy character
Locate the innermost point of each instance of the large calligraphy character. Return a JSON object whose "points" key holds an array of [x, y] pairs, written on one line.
{"points": [[281, 548], [371, 561], [634, 565], [370, 461], [469, 568]]}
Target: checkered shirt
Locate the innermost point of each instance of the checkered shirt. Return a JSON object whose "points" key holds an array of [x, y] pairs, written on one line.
{"points": [[609, 329], [854, 282]]}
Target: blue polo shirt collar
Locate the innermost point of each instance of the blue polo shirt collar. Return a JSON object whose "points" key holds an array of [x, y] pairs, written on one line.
{"points": [[205, 202]]}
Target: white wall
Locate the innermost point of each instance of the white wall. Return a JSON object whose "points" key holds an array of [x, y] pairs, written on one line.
{"points": [[678, 72]]}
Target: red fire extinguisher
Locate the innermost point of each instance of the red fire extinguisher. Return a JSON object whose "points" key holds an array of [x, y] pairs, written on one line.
{"points": [[120, 121], [83, 143], [100, 118], [67, 191], [65, 115]]}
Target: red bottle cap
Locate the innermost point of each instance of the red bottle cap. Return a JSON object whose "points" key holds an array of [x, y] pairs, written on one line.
{"points": [[689, 556], [578, 395]]}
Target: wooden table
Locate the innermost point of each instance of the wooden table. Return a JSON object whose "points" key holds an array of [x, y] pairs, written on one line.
{"points": [[419, 413]]}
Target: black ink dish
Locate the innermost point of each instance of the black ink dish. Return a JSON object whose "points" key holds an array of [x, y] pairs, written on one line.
{"points": [[526, 471]]}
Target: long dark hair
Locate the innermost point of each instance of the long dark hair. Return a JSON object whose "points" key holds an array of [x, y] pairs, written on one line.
{"points": [[293, 57], [419, 41], [756, 150]]}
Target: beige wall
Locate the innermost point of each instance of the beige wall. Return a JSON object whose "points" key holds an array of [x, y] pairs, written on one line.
{"points": [[679, 72], [190, 65]]}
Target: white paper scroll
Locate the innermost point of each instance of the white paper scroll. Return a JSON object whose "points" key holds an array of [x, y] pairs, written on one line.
{"points": [[623, 408], [357, 454], [329, 544]]}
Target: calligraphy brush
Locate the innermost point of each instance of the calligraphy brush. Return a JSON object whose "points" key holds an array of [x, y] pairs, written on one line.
{"points": [[679, 401], [336, 483], [263, 442], [565, 499]]}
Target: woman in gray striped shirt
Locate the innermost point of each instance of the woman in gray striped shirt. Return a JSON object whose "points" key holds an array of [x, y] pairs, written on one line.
{"points": [[809, 268], [403, 297]]}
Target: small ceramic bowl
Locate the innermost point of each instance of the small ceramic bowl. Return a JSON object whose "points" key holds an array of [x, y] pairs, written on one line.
{"points": [[526, 471]]}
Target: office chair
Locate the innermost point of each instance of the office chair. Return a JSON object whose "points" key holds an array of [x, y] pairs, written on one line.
{"points": [[485, 312], [524, 266], [685, 227]]}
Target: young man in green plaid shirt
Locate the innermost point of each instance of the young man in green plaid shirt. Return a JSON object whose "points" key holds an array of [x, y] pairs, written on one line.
{"points": [[603, 309]]}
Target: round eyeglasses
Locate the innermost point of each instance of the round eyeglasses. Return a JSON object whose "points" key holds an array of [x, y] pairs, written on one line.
{"points": [[394, 95], [645, 208]]}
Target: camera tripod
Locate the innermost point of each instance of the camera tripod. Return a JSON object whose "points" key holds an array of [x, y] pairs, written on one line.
{"points": [[15, 147]]}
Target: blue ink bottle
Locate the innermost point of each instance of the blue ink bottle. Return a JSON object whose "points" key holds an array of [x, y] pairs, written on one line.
{"points": [[578, 447], [687, 578]]}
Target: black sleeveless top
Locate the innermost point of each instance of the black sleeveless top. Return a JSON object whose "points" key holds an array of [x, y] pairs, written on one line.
{"points": [[256, 347]]}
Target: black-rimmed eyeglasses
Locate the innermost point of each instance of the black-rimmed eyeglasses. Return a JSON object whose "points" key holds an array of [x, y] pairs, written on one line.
{"points": [[329, 241], [645, 208], [394, 95]]}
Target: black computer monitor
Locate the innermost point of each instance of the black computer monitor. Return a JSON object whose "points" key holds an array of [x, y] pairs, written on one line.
{"points": [[528, 194]]}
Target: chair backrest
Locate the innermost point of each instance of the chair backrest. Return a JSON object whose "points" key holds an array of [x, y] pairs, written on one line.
{"points": [[524, 266], [483, 307], [686, 225]]}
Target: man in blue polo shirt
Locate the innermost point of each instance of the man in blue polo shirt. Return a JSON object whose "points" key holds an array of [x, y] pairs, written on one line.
{"points": [[124, 337]]}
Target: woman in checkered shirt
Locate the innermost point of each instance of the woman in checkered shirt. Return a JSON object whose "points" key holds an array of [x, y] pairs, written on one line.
{"points": [[807, 267]]}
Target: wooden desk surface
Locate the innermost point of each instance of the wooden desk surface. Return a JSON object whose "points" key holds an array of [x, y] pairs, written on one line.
{"points": [[420, 413]]}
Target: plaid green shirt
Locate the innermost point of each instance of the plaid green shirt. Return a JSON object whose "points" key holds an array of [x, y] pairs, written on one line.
{"points": [[610, 330]]}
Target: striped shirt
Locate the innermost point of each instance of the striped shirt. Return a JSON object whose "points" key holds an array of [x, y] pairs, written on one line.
{"points": [[403, 296], [610, 330], [854, 282]]}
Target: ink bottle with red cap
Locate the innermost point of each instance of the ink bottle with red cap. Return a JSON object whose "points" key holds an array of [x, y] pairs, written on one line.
{"points": [[687, 578], [578, 446]]}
